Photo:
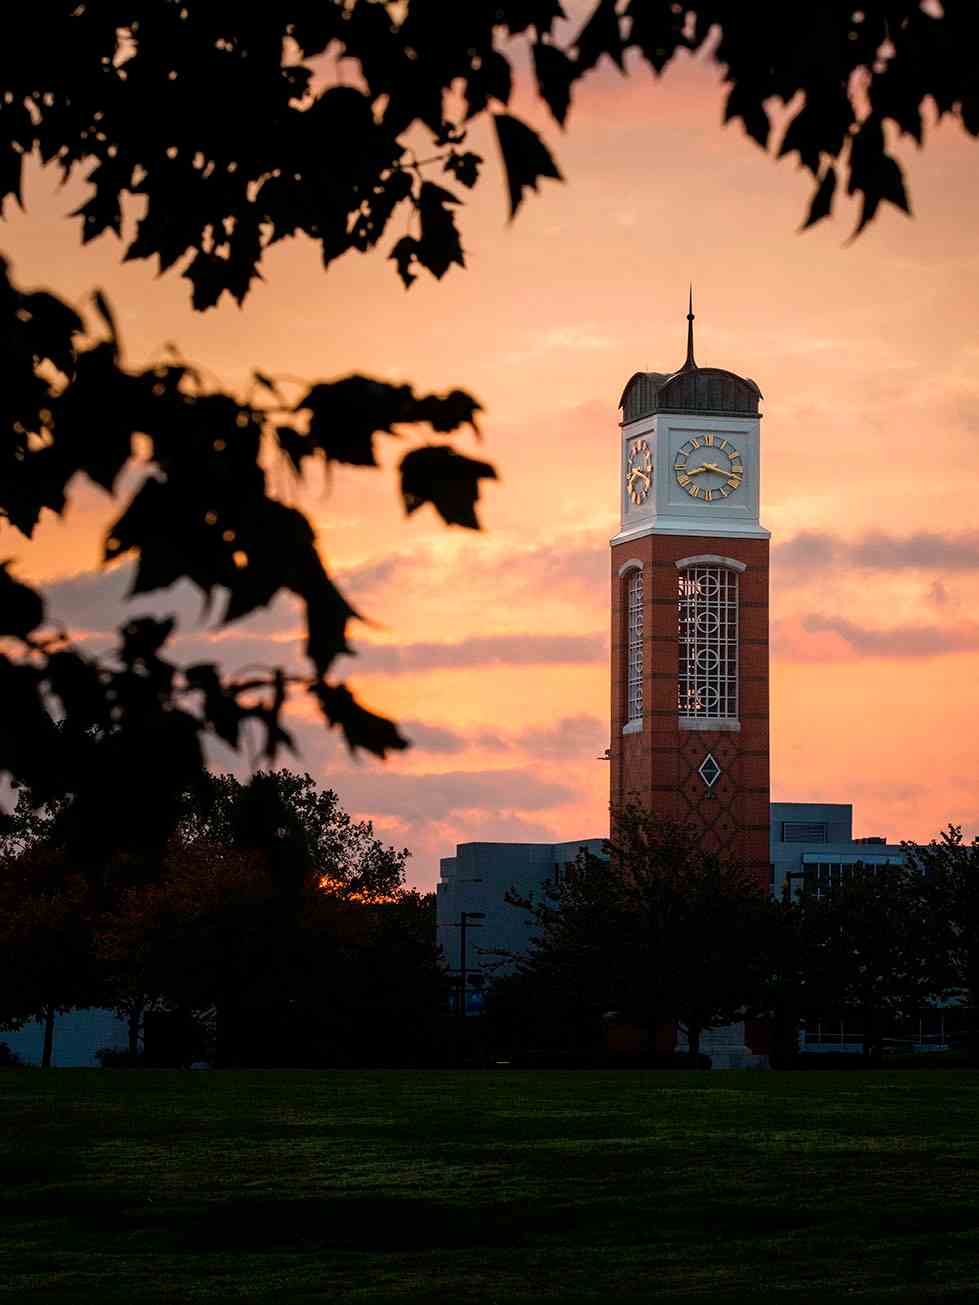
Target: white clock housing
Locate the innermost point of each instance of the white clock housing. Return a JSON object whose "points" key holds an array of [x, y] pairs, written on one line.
{"points": [[691, 419]]}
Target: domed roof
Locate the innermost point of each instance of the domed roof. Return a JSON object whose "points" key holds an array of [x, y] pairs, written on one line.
{"points": [[691, 389]]}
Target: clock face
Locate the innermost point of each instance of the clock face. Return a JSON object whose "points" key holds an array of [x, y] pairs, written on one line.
{"points": [[708, 467], [639, 471]]}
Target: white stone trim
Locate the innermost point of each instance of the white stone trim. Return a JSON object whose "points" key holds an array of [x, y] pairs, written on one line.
{"points": [[633, 564], [721, 724], [710, 559], [664, 525], [632, 727]]}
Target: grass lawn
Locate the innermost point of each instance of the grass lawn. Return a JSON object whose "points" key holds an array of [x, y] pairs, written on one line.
{"points": [[496, 1187]]}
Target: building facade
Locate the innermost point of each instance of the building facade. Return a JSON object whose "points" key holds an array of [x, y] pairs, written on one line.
{"points": [[476, 882], [812, 844]]}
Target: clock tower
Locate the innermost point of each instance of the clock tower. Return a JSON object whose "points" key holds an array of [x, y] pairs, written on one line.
{"points": [[690, 609]]}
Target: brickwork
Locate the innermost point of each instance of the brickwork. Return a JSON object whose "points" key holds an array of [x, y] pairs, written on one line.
{"points": [[657, 765]]}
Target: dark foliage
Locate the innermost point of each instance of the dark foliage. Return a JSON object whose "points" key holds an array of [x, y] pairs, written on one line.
{"points": [[208, 116], [948, 871], [270, 929], [76, 725], [285, 927], [211, 115], [660, 933]]}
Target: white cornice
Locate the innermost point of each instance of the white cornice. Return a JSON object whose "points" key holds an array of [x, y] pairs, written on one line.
{"points": [[694, 530]]}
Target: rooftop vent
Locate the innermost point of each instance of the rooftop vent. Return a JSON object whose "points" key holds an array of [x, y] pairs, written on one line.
{"points": [[800, 831]]}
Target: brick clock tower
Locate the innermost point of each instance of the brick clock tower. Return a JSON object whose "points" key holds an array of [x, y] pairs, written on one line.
{"points": [[690, 609]]}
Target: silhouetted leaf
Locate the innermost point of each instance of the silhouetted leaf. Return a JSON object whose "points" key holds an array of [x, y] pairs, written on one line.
{"points": [[446, 479], [820, 127], [11, 165], [107, 315], [221, 708], [327, 614], [276, 737], [439, 246], [747, 105], [361, 728], [51, 327], [447, 412], [464, 167], [78, 683], [294, 445], [145, 517], [102, 211], [822, 200], [491, 81], [267, 383], [94, 417], [518, 15], [21, 609], [555, 74], [657, 30], [404, 254], [159, 232], [143, 637], [874, 173], [213, 274], [600, 35], [345, 415], [525, 157]]}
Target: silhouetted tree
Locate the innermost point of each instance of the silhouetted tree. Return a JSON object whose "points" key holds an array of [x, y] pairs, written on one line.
{"points": [[871, 948], [660, 931], [948, 870], [47, 956], [287, 919], [210, 116]]}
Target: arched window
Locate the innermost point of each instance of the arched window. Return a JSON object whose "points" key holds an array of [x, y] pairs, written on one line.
{"points": [[707, 613], [634, 608]]}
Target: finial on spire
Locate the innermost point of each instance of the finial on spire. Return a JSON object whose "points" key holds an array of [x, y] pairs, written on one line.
{"points": [[690, 358]]}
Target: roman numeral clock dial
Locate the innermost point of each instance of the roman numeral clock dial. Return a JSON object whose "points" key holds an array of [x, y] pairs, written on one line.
{"points": [[709, 468], [639, 471]]}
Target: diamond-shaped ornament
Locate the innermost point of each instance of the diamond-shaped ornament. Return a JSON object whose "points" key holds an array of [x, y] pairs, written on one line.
{"points": [[709, 770]]}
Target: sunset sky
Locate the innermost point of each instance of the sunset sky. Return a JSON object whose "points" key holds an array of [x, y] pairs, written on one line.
{"points": [[491, 647]]}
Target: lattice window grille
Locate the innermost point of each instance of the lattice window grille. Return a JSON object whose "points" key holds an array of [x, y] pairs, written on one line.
{"points": [[707, 612], [634, 693]]}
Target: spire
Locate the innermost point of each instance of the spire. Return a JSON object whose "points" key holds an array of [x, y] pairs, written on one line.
{"points": [[690, 363]]}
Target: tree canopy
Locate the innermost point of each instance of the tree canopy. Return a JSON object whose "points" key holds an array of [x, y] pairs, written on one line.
{"points": [[270, 916], [210, 131], [219, 119], [659, 931]]}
